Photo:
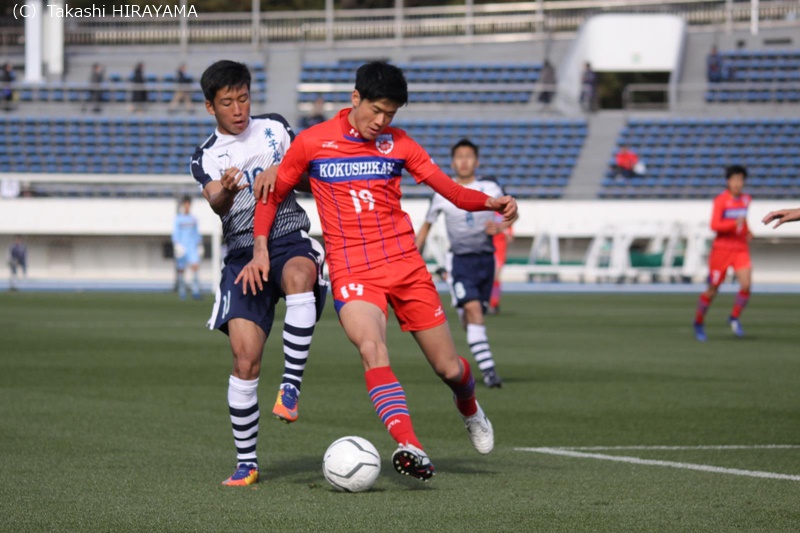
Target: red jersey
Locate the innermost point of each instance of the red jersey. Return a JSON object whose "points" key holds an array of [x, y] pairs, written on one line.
{"points": [[732, 233], [627, 160], [356, 186]]}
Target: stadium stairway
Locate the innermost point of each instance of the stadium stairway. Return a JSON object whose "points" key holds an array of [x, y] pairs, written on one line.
{"points": [[586, 177], [284, 67]]}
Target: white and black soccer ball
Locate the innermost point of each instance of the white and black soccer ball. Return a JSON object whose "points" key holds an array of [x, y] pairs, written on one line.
{"points": [[351, 464]]}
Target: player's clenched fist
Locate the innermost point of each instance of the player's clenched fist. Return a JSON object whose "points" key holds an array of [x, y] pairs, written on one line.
{"points": [[231, 180], [505, 205]]}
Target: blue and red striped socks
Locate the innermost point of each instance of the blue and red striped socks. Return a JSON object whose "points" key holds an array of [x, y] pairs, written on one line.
{"points": [[702, 306], [741, 302], [464, 390], [389, 400]]}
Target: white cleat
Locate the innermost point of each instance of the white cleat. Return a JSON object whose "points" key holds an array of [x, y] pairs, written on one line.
{"points": [[480, 431]]}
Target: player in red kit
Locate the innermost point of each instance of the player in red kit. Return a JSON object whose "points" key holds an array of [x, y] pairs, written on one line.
{"points": [[354, 162], [730, 249]]}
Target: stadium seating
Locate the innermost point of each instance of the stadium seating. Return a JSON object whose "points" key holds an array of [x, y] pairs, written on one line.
{"points": [[462, 79], [530, 159], [753, 71], [686, 158], [99, 145]]}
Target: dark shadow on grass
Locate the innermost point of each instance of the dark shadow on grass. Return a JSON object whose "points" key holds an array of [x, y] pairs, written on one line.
{"points": [[307, 470], [481, 388]]}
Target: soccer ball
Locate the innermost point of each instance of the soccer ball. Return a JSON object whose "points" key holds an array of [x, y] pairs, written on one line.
{"points": [[351, 464]]}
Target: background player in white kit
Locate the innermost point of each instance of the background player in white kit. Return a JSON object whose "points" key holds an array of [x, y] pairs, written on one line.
{"points": [[471, 266], [226, 166]]}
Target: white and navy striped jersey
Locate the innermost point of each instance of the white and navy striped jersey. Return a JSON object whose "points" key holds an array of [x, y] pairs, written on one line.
{"points": [[261, 145], [465, 230]]}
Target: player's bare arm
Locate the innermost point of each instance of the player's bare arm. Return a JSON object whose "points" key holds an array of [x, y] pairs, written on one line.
{"points": [[422, 236], [782, 216], [220, 194], [256, 272]]}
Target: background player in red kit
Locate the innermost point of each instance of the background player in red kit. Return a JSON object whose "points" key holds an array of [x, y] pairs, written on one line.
{"points": [[501, 241], [730, 249], [354, 162]]}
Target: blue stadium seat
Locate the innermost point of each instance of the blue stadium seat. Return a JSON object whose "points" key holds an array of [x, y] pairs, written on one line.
{"points": [[686, 156]]}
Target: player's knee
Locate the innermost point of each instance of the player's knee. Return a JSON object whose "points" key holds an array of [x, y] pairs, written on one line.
{"points": [[473, 312], [246, 370], [245, 365], [745, 286], [373, 354], [448, 370], [298, 279]]}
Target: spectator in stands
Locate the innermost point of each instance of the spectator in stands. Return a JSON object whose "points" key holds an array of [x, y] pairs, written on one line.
{"points": [[715, 66], [17, 261], [317, 114], [139, 93], [782, 216], [7, 78], [96, 79], [625, 163], [547, 79], [588, 88], [183, 94]]}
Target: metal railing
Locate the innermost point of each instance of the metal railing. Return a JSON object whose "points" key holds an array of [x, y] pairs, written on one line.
{"points": [[64, 92], [483, 21]]}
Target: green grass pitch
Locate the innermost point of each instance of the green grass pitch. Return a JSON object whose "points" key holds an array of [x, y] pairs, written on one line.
{"points": [[113, 418]]}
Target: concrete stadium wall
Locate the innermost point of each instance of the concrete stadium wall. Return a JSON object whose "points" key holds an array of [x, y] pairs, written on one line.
{"points": [[124, 239]]}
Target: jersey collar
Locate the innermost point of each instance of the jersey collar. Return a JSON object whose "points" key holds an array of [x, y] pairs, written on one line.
{"points": [[350, 133]]}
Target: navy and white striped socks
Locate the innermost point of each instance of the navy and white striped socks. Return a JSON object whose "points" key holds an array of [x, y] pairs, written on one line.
{"points": [[243, 405], [298, 328]]}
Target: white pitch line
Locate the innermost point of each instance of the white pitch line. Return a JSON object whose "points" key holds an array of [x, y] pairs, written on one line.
{"points": [[653, 462], [719, 447]]}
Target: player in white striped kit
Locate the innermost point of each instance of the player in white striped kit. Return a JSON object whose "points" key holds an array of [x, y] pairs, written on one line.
{"points": [[226, 166]]}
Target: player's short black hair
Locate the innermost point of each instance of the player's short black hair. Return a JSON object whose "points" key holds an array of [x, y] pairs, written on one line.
{"points": [[377, 80], [463, 142], [223, 74], [730, 170], [186, 198]]}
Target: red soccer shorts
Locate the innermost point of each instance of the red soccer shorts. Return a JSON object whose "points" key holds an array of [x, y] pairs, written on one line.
{"points": [[404, 284], [721, 259]]}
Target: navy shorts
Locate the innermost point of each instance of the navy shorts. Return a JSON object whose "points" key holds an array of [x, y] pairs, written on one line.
{"points": [[260, 308], [471, 278]]}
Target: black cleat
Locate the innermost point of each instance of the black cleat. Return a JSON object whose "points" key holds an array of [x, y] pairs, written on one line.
{"points": [[411, 461]]}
